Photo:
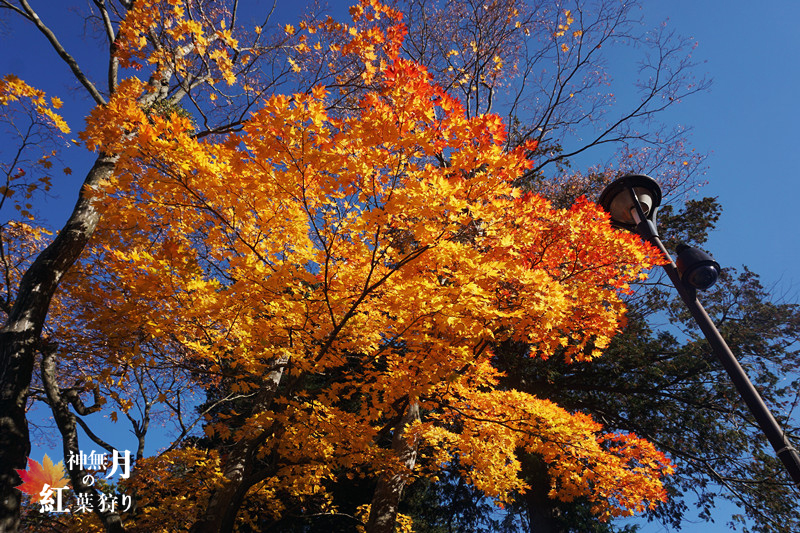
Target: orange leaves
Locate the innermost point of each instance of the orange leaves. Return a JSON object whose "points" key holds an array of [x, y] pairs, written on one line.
{"points": [[373, 253], [38, 475], [619, 474], [570, 266], [109, 127], [636, 467]]}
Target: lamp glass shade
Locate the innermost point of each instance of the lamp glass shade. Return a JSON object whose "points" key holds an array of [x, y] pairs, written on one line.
{"points": [[622, 205], [617, 199]]}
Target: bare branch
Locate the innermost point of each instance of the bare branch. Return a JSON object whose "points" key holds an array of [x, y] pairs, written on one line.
{"points": [[62, 52]]}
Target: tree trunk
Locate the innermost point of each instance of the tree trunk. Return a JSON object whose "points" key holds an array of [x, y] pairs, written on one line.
{"points": [[542, 510], [386, 499], [223, 506], [20, 335]]}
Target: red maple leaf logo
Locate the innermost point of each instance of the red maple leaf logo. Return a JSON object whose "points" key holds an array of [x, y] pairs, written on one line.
{"points": [[38, 475]]}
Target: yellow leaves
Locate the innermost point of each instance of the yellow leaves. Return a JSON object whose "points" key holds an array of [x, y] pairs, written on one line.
{"points": [[616, 473], [227, 37], [13, 89], [498, 63], [222, 60], [319, 92], [170, 487], [184, 36], [132, 32], [404, 524], [21, 242], [568, 20], [563, 27]]}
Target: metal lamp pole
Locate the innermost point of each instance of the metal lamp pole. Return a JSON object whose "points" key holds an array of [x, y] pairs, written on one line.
{"points": [[633, 202]]}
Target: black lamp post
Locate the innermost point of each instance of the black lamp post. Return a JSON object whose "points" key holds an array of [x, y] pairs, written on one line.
{"points": [[633, 202]]}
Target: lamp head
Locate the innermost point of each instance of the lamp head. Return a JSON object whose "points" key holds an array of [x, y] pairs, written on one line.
{"points": [[697, 269], [617, 199]]}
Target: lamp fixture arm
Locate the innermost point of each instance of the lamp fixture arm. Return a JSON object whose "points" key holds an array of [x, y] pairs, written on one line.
{"points": [[766, 421], [645, 225]]}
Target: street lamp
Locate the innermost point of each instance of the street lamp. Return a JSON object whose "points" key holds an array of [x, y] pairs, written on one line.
{"points": [[632, 201]]}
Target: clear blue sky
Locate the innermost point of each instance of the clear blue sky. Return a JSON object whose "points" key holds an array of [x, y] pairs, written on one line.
{"points": [[748, 122]]}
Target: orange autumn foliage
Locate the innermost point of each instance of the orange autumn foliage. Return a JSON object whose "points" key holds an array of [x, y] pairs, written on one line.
{"points": [[380, 250]]}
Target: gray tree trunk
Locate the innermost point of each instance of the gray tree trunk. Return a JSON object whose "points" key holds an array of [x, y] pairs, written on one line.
{"points": [[386, 499], [20, 336]]}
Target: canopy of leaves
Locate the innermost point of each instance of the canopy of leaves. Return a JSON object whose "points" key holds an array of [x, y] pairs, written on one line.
{"points": [[321, 262], [337, 268]]}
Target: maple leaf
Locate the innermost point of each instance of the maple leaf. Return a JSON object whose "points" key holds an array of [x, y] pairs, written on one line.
{"points": [[38, 475]]}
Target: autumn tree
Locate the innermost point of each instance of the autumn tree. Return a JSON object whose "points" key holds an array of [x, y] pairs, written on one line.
{"points": [[373, 252], [543, 66], [540, 67], [185, 61]]}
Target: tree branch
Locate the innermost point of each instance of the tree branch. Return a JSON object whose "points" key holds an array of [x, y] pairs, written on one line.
{"points": [[61, 51]]}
